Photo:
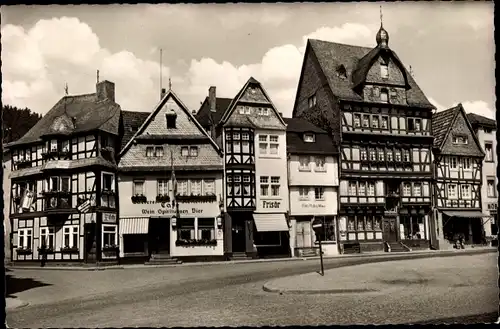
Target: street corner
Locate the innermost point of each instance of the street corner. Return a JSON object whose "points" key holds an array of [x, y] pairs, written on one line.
{"points": [[315, 283], [14, 303]]}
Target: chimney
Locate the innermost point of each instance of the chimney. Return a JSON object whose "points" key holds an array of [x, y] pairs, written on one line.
{"points": [[212, 99], [163, 93], [105, 90]]}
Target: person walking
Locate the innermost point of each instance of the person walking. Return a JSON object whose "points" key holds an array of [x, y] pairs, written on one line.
{"points": [[43, 251]]}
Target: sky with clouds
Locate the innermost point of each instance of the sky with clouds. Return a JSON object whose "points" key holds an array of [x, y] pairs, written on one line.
{"points": [[449, 45]]}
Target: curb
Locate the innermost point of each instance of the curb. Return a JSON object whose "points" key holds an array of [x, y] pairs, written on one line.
{"points": [[394, 256], [381, 258]]}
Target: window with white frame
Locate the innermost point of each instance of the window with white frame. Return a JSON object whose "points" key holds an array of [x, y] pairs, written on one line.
{"points": [[370, 189], [389, 155], [453, 163], [384, 124], [247, 109], [373, 154], [397, 155], [24, 238], [312, 101], [363, 154], [491, 188], [319, 193], [246, 185], [406, 189], [362, 189], [466, 164], [185, 151], [245, 136], [273, 144], [70, 237], [182, 187], [108, 182], [320, 164], [304, 163], [309, 137], [138, 187], [357, 120], [275, 185], [185, 229], [206, 229], [209, 187], [47, 237], [237, 185], [488, 149], [384, 96], [149, 151], [263, 111], [264, 185], [406, 155], [54, 184], [109, 236], [381, 154], [384, 70], [366, 121], [460, 139], [229, 185], [263, 144], [196, 187], [162, 187], [303, 193], [193, 151], [352, 188], [417, 189], [159, 151], [466, 191], [452, 191], [241, 109], [236, 136]]}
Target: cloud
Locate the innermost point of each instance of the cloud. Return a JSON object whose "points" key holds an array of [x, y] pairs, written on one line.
{"points": [[37, 63], [479, 107], [438, 106]]}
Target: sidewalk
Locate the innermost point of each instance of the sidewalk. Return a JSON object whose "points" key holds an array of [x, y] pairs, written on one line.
{"points": [[371, 255], [374, 277], [13, 303]]}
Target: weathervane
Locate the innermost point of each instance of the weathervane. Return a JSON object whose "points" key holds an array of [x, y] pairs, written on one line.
{"points": [[169, 84], [381, 16], [66, 89]]}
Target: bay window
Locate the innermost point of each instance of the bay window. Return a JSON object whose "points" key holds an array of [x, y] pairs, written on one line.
{"points": [[246, 185], [108, 182], [237, 185]]}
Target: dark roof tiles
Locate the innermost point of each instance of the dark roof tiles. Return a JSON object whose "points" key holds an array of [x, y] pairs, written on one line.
{"points": [[441, 122], [203, 115], [477, 120], [296, 128], [131, 122]]}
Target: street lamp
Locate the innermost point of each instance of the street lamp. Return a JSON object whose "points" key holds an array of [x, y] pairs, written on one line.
{"points": [[318, 227]]}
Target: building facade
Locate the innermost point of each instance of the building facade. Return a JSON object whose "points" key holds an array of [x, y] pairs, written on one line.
{"points": [[313, 188], [252, 135], [170, 186], [7, 166], [63, 182], [381, 120], [485, 130], [458, 159]]}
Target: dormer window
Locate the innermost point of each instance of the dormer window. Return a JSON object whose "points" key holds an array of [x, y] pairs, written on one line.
{"points": [[460, 139], [312, 101], [159, 151], [309, 138], [384, 70], [263, 111], [193, 151], [149, 151], [185, 151], [53, 145], [341, 72], [171, 120], [384, 95]]}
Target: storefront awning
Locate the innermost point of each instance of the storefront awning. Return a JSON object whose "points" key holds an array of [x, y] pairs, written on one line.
{"points": [[270, 222], [465, 214], [135, 225]]}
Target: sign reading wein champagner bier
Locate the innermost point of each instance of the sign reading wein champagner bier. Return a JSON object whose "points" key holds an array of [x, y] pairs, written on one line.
{"points": [[185, 209]]}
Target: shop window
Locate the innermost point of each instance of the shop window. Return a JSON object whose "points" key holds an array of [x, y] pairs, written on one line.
{"points": [[185, 228], [377, 223], [328, 232], [24, 238], [413, 227], [206, 229], [109, 236], [134, 243], [70, 237], [47, 237], [267, 239]]}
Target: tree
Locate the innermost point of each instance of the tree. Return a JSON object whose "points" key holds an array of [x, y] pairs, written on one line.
{"points": [[17, 122]]}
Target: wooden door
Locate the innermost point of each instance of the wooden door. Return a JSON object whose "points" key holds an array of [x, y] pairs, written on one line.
{"points": [[390, 229]]}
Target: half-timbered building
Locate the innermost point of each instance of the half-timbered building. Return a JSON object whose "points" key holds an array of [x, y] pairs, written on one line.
{"points": [[170, 186], [458, 161], [252, 134], [63, 181], [485, 130], [313, 188], [381, 120]]}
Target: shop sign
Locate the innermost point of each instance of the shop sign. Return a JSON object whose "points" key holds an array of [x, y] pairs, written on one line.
{"points": [[108, 217], [169, 210], [271, 204], [313, 205]]}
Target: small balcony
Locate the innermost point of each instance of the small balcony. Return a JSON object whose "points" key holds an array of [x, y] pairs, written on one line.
{"points": [[57, 200]]}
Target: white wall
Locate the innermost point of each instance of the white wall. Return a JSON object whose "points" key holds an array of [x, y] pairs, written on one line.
{"points": [[326, 207], [312, 176]]}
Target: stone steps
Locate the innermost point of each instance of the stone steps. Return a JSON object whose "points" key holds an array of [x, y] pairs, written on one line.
{"points": [[240, 256], [162, 259]]}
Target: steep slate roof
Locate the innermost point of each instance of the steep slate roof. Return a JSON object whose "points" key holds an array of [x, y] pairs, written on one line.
{"points": [[442, 125], [331, 55], [79, 113], [296, 128], [477, 120], [131, 122], [203, 115]]}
